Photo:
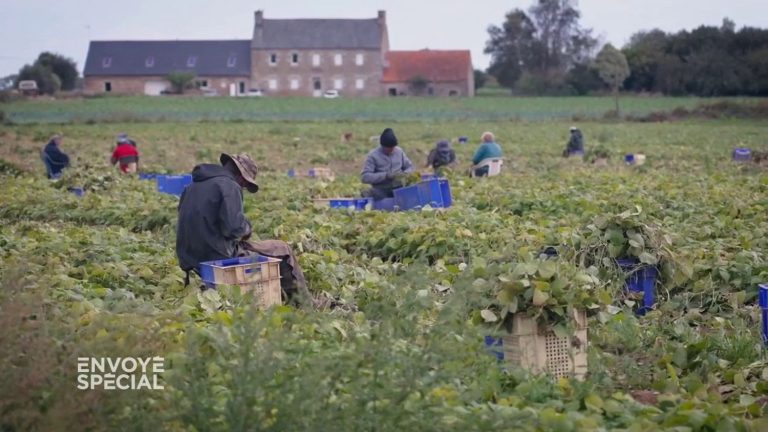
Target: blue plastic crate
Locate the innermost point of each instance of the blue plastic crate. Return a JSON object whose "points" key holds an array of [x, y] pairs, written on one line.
{"points": [[291, 173], [425, 177], [629, 159], [742, 154], [386, 204], [762, 295], [463, 140], [494, 346], [425, 193], [80, 192], [641, 279], [208, 273], [445, 190], [148, 176], [354, 203], [173, 184]]}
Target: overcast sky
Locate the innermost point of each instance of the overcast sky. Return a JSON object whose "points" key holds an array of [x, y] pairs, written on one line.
{"points": [[28, 27]]}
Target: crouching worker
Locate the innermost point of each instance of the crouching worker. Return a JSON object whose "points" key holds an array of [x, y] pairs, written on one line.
{"points": [[126, 154], [213, 226], [385, 167]]}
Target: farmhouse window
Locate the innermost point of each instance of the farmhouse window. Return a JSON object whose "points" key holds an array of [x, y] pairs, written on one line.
{"points": [[318, 84], [294, 84], [231, 61], [149, 62], [294, 59], [272, 84], [273, 59], [359, 59], [359, 83], [107, 86], [337, 59], [106, 62], [203, 84], [338, 83], [191, 61], [315, 59]]}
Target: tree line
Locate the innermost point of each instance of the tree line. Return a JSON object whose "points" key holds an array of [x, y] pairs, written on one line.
{"points": [[546, 51]]}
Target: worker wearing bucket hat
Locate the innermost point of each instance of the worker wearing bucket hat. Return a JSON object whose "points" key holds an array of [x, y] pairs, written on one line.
{"points": [[212, 224]]}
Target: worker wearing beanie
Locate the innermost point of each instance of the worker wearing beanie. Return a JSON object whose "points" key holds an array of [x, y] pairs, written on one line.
{"points": [[385, 167]]}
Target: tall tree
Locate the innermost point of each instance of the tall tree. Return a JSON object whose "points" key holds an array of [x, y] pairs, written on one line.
{"points": [[540, 46], [511, 47], [612, 67], [65, 68]]}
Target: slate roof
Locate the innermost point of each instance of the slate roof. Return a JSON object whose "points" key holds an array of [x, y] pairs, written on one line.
{"points": [[131, 58], [317, 34], [435, 65]]}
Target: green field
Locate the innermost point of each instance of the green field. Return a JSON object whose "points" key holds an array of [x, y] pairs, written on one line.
{"points": [[97, 275], [116, 109]]}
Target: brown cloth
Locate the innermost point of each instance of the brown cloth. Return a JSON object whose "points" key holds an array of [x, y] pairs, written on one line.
{"points": [[295, 286]]}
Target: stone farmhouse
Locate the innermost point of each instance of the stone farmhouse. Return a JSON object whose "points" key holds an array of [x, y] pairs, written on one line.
{"points": [[285, 57]]}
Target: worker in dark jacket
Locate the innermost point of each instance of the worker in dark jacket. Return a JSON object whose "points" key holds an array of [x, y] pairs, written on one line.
{"points": [[213, 226], [385, 167], [441, 156], [575, 143], [55, 159]]}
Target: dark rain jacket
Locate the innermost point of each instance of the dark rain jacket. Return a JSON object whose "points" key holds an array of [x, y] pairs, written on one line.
{"points": [[576, 143], [56, 159], [441, 155], [211, 218]]}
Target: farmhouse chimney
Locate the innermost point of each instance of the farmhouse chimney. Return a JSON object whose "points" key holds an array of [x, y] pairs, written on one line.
{"points": [[259, 18], [382, 17]]}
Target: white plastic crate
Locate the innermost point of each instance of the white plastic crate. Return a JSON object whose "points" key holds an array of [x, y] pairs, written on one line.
{"points": [[540, 350]]}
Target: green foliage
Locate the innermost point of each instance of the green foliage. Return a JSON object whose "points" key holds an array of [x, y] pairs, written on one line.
{"points": [[480, 78], [707, 61], [47, 81], [98, 275], [533, 52], [63, 67], [181, 81], [612, 67]]}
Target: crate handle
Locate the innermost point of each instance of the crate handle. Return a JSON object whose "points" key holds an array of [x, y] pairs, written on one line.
{"points": [[251, 269]]}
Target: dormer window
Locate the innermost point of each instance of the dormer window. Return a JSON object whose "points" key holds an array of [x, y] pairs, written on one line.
{"points": [[106, 62], [273, 59], [191, 61], [149, 62], [231, 61]]}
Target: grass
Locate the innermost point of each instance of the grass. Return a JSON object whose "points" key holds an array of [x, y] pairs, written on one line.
{"points": [[185, 109]]}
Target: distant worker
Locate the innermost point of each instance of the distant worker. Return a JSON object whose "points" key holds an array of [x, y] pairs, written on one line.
{"points": [[441, 156], [487, 156], [126, 154], [213, 226], [385, 167], [575, 143], [55, 160]]}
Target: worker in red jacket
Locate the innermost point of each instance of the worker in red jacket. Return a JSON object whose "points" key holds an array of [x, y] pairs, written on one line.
{"points": [[126, 154]]}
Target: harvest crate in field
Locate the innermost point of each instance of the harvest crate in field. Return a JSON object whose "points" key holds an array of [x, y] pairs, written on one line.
{"points": [[257, 274], [539, 349]]}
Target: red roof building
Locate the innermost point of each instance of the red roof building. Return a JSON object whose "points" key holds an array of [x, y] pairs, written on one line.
{"points": [[429, 72]]}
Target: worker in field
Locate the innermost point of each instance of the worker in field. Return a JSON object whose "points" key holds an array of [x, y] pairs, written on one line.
{"points": [[486, 155], [441, 156], [54, 158], [126, 154], [385, 167], [213, 226], [575, 144]]}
